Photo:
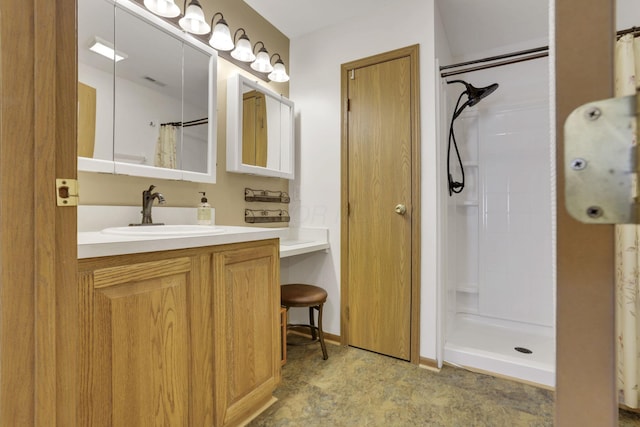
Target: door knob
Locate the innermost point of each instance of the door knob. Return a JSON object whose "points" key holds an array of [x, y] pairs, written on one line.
{"points": [[401, 209]]}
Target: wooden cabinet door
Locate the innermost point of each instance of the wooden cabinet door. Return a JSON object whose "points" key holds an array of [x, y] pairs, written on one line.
{"points": [[147, 362], [247, 334]]}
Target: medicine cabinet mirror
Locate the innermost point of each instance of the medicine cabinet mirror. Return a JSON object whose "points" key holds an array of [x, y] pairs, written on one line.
{"points": [[153, 112], [260, 130]]}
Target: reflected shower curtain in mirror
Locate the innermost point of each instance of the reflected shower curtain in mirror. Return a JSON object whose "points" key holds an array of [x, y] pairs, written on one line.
{"points": [[166, 147], [627, 78]]}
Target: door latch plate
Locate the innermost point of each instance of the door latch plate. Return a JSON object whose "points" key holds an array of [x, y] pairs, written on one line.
{"points": [[67, 192], [601, 161]]}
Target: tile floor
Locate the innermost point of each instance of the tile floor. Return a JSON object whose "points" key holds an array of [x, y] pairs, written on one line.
{"points": [[359, 388]]}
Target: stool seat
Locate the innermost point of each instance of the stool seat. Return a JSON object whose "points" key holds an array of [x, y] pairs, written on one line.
{"points": [[311, 296], [299, 295]]}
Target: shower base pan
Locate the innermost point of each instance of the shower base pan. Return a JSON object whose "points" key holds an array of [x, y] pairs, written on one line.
{"points": [[514, 350]]}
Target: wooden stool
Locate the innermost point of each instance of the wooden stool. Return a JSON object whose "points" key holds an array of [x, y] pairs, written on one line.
{"points": [[314, 297]]}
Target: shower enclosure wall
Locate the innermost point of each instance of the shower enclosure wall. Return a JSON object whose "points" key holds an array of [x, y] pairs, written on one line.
{"points": [[498, 233]]}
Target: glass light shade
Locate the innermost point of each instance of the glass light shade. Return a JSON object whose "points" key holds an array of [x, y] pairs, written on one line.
{"points": [[166, 8], [221, 37], [262, 62], [279, 73], [193, 20], [243, 52]]}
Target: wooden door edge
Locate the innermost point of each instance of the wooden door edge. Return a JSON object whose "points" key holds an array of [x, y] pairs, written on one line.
{"points": [[39, 292], [585, 355]]}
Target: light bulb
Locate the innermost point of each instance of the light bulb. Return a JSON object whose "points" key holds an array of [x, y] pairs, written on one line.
{"points": [[165, 8], [243, 52], [221, 37], [279, 73], [193, 20]]}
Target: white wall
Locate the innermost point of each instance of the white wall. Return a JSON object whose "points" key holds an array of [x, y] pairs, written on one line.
{"points": [[501, 223], [315, 87], [627, 14], [444, 318]]}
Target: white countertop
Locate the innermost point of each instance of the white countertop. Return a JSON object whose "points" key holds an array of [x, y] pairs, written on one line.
{"points": [[92, 243], [304, 240]]}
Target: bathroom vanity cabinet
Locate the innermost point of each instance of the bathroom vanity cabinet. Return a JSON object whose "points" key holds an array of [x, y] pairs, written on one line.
{"points": [[187, 337]]}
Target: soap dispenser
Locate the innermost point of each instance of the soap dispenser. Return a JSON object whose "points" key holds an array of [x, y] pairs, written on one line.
{"points": [[204, 210]]}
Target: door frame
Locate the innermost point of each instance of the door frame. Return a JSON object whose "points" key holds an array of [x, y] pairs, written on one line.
{"points": [[585, 344], [413, 53]]}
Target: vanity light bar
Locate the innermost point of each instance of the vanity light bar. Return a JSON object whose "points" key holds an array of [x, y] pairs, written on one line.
{"points": [[242, 54], [104, 48]]}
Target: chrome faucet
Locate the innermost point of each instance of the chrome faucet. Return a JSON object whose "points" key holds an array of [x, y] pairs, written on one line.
{"points": [[147, 204]]}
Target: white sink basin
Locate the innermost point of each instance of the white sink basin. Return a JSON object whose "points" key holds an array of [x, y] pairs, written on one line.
{"points": [[165, 230]]}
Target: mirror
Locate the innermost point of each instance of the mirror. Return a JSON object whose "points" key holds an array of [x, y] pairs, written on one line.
{"points": [[260, 133], [153, 112]]}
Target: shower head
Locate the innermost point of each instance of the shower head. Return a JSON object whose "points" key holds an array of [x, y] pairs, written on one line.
{"points": [[476, 94]]}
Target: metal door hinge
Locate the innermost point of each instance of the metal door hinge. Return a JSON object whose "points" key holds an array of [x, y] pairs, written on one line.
{"points": [[67, 192], [601, 161]]}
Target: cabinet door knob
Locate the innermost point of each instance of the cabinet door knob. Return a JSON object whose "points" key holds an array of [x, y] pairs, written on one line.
{"points": [[401, 209]]}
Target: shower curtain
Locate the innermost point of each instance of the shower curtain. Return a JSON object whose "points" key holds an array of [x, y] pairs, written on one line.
{"points": [[627, 78], [166, 147]]}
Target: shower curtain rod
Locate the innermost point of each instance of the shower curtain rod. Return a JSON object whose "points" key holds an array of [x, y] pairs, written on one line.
{"points": [[542, 52], [633, 30], [202, 121], [495, 58], [520, 56]]}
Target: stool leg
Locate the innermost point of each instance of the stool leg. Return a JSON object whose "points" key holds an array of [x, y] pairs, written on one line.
{"points": [[321, 334], [312, 324]]}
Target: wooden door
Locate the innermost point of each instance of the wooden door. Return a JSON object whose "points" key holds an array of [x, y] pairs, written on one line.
{"points": [[380, 192], [38, 297]]}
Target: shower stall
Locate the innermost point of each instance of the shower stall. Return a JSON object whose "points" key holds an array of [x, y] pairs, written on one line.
{"points": [[497, 232]]}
